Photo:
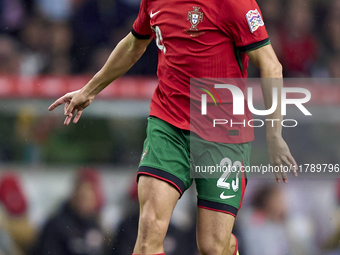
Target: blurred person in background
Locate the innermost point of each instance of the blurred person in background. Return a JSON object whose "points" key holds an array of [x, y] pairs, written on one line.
{"points": [[327, 27], [31, 133], [55, 10], [27, 149], [334, 65], [75, 229], [299, 46], [12, 15], [93, 22], [15, 213], [9, 56], [332, 246], [271, 10], [263, 228], [332, 28], [60, 49], [36, 39], [331, 56], [7, 246]]}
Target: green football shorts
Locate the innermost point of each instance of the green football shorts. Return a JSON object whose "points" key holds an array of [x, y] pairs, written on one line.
{"points": [[179, 156]]}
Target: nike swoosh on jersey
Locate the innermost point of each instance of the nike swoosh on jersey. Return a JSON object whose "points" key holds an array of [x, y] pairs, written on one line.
{"points": [[222, 196], [153, 14]]}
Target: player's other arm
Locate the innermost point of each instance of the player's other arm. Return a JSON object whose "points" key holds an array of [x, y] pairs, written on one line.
{"points": [[122, 58], [271, 73]]}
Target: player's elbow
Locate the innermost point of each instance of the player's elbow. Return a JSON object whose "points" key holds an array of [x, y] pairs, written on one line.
{"points": [[277, 68], [272, 69]]}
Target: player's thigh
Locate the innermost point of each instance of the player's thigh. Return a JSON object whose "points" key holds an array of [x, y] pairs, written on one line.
{"points": [[157, 198], [157, 201], [213, 230]]}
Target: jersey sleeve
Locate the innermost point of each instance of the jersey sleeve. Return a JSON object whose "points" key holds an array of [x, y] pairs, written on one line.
{"points": [[242, 21], [141, 27]]}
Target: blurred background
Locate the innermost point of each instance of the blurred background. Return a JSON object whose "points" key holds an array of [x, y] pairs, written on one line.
{"points": [[71, 190]]}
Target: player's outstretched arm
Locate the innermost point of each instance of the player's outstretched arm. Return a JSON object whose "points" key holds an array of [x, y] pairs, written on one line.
{"points": [[271, 74], [122, 58]]}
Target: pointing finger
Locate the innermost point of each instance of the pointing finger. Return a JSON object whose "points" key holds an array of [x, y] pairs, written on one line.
{"points": [[58, 102]]}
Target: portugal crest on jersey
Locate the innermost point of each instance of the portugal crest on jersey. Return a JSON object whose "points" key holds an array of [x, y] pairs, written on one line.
{"points": [[195, 17]]}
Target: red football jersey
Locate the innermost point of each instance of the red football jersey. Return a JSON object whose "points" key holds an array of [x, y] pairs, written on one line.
{"points": [[201, 39]]}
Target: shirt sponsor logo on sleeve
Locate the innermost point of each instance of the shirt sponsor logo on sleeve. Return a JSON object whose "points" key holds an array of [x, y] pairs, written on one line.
{"points": [[254, 20]]}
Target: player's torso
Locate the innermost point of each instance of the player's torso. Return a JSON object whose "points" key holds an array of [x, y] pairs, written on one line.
{"points": [[190, 40]]}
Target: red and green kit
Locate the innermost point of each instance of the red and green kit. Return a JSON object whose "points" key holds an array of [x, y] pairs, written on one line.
{"points": [[198, 39]]}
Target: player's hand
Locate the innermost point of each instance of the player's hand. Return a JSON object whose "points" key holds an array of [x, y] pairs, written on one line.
{"points": [[279, 155], [74, 101]]}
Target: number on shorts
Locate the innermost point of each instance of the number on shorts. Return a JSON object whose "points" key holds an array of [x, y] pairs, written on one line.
{"points": [[222, 181]]}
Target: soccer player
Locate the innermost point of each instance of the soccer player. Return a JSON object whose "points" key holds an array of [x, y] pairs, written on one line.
{"points": [[196, 39]]}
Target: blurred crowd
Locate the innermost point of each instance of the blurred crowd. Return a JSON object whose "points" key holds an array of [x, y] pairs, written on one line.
{"points": [[62, 37], [75, 226], [270, 222], [305, 36]]}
